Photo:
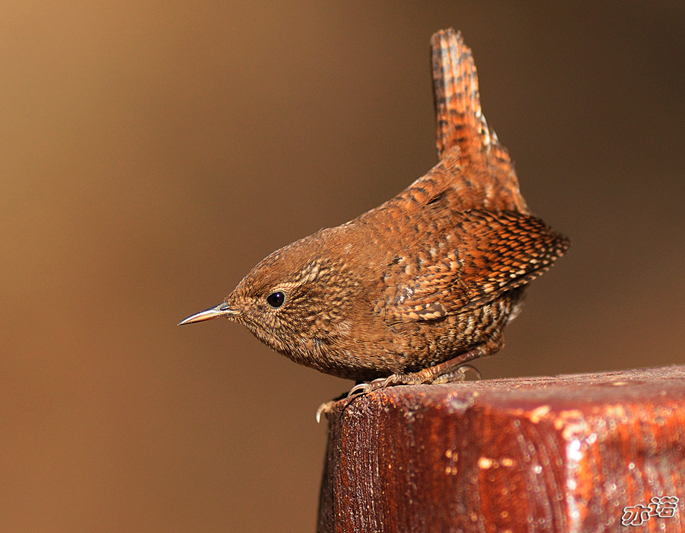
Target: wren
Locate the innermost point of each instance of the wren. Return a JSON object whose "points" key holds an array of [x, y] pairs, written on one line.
{"points": [[412, 290]]}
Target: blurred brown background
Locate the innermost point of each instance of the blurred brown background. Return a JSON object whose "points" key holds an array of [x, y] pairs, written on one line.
{"points": [[152, 152]]}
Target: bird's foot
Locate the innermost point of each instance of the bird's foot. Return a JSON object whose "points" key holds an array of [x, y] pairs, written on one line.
{"points": [[446, 372], [381, 383], [458, 375], [415, 378], [423, 377], [451, 370]]}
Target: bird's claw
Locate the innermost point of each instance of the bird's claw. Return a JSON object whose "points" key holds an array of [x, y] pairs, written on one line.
{"points": [[324, 409], [458, 375], [360, 389], [376, 384]]}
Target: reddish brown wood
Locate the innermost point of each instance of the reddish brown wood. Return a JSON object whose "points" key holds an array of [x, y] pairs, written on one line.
{"points": [[539, 454]]}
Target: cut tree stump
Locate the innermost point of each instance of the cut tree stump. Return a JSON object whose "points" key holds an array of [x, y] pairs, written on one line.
{"points": [[562, 454]]}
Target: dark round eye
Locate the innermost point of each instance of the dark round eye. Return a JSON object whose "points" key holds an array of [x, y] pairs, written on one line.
{"points": [[275, 299]]}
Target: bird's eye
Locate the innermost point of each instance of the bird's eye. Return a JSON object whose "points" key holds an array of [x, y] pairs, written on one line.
{"points": [[275, 299]]}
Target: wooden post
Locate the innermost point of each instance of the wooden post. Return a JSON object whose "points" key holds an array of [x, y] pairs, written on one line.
{"points": [[561, 454]]}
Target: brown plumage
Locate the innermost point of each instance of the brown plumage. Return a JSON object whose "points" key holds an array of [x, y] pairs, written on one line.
{"points": [[421, 284]]}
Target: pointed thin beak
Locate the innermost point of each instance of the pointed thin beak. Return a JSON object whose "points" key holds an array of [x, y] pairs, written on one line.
{"points": [[208, 314]]}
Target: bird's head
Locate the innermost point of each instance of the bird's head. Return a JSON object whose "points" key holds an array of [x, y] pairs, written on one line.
{"points": [[288, 301]]}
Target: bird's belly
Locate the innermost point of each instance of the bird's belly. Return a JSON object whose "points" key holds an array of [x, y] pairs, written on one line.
{"points": [[412, 346]]}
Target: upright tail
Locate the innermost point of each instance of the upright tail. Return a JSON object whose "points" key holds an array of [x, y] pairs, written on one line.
{"points": [[461, 123]]}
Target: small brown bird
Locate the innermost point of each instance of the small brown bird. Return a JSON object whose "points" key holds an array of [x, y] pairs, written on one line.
{"points": [[413, 289]]}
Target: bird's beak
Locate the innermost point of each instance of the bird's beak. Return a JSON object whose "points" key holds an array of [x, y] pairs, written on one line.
{"points": [[213, 312]]}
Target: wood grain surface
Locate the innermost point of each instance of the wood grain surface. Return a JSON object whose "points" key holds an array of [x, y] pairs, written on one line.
{"points": [[561, 454]]}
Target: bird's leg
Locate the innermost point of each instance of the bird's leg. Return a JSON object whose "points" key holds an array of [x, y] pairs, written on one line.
{"points": [[457, 374], [450, 370], [453, 369]]}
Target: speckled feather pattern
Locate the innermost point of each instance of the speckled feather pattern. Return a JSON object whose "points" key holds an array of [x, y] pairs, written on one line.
{"points": [[430, 274]]}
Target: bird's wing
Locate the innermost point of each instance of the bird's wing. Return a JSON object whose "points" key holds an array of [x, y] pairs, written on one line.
{"points": [[482, 255]]}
